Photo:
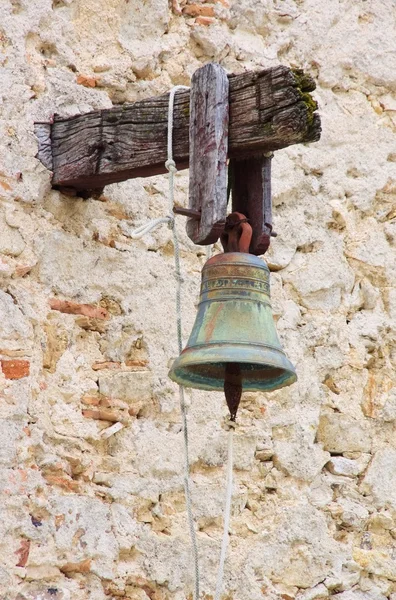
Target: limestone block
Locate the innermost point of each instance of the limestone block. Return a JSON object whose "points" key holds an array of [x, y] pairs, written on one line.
{"points": [[353, 514], [211, 41], [388, 412], [159, 454], [42, 572], [298, 550], [10, 434], [299, 458], [370, 245], [320, 277], [15, 329], [338, 465], [367, 325], [11, 241], [44, 592], [280, 253], [357, 594], [377, 562], [141, 30], [125, 526], [85, 532], [135, 387], [380, 521], [244, 448], [264, 449], [315, 593], [380, 479], [344, 577], [341, 433]]}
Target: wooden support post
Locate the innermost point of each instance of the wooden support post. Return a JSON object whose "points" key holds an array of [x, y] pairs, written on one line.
{"points": [[251, 195], [269, 110], [208, 153]]}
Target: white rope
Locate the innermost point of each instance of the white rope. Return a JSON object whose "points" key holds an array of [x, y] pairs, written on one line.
{"points": [[171, 166], [227, 514], [139, 232]]}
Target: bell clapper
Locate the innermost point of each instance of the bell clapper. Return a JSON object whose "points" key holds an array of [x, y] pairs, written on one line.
{"points": [[236, 237], [233, 387]]}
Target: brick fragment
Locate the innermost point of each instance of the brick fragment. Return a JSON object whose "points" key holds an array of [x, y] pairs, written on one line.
{"points": [[79, 567], [12, 353], [98, 366], [176, 7], [104, 401], [74, 308], [59, 520], [205, 21], [22, 270], [23, 553], [199, 10], [15, 369], [139, 364], [5, 185], [89, 324], [90, 82], [104, 415], [63, 482], [91, 400]]}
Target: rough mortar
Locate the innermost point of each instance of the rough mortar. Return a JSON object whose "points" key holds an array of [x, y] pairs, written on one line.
{"points": [[89, 513]]}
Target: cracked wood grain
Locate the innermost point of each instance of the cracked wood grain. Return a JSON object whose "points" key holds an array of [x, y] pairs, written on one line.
{"points": [[269, 110]]}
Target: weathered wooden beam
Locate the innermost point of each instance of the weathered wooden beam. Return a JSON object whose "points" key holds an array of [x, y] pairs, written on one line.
{"points": [[269, 110], [208, 153]]}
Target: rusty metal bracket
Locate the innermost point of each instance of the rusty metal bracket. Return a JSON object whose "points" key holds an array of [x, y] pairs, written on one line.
{"points": [[237, 234]]}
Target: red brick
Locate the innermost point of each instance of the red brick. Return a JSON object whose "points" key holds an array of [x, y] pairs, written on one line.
{"points": [[15, 369], [74, 308], [199, 10], [87, 81]]}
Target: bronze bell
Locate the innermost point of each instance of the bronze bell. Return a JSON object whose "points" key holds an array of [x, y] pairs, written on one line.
{"points": [[234, 342]]}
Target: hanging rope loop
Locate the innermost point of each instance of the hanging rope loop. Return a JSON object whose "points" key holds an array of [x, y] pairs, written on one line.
{"points": [[141, 231]]}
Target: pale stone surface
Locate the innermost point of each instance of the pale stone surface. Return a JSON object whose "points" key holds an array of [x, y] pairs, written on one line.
{"points": [[341, 433], [338, 465], [135, 388], [305, 524], [380, 479]]}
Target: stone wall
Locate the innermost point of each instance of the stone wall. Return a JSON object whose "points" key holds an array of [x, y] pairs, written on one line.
{"points": [[87, 319]]}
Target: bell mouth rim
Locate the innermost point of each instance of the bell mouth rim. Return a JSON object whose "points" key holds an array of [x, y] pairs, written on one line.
{"points": [[288, 378], [181, 374]]}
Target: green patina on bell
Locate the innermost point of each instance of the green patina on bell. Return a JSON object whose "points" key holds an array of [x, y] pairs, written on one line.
{"points": [[234, 334]]}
